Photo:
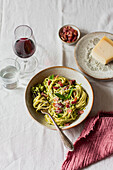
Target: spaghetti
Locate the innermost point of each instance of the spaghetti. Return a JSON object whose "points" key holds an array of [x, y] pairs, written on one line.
{"points": [[64, 99]]}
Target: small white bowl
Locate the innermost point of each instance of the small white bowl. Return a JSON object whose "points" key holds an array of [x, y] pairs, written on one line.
{"points": [[75, 28]]}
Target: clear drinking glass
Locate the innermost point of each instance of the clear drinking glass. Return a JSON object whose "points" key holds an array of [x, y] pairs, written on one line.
{"points": [[9, 73], [24, 46]]}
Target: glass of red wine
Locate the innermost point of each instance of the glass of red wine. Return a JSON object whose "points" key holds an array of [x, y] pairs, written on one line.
{"points": [[24, 46]]}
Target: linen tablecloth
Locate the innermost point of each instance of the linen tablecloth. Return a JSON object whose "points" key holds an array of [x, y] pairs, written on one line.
{"points": [[25, 144]]}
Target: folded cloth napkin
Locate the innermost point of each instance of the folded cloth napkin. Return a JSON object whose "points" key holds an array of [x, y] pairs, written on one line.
{"points": [[94, 143]]}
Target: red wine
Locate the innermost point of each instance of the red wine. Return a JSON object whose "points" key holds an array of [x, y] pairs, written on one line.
{"points": [[24, 47]]}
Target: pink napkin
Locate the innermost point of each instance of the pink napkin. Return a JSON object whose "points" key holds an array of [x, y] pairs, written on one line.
{"points": [[94, 143]]}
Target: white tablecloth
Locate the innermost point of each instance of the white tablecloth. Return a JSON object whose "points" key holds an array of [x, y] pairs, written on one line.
{"points": [[25, 144]]}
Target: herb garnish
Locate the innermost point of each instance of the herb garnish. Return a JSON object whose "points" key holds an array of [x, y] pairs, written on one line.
{"points": [[52, 76], [64, 97]]}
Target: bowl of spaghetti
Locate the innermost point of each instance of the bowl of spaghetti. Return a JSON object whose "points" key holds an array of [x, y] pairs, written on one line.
{"points": [[64, 92]]}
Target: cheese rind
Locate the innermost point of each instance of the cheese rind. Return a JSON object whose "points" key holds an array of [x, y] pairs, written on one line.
{"points": [[108, 40], [103, 51]]}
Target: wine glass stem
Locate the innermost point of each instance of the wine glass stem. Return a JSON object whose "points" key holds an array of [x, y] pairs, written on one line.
{"points": [[25, 62]]}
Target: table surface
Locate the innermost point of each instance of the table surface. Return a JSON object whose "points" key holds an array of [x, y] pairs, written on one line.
{"points": [[25, 144]]}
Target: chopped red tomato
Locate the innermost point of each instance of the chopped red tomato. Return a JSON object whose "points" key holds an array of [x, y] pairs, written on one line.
{"points": [[73, 102], [43, 94], [54, 104], [58, 111], [55, 99], [57, 76], [75, 99], [58, 108], [72, 81], [69, 110], [81, 111], [67, 124], [60, 104], [49, 81], [67, 87], [67, 105], [60, 83], [55, 88]]}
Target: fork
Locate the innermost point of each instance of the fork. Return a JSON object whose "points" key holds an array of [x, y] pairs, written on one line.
{"points": [[66, 141]]}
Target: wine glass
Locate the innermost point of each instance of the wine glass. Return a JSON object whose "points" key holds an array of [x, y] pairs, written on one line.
{"points": [[24, 46]]}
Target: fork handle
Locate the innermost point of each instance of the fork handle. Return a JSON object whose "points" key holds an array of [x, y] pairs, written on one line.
{"points": [[67, 143]]}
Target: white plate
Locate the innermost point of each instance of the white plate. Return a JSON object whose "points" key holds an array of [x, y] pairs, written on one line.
{"points": [[68, 73], [84, 60]]}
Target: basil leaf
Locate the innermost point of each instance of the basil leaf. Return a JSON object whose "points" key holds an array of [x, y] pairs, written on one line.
{"points": [[70, 93], [52, 76], [60, 96], [59, 115], [64, 97]]}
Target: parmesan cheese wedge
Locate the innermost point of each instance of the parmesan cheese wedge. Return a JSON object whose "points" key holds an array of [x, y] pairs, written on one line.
{"points": [[103, 51]]}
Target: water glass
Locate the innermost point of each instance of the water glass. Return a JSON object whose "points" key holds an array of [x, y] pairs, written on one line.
{"points": [[9, 73]]}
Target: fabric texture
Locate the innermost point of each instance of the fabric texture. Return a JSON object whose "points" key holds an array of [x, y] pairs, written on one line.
{"points": [[24, 143], [94, 143]]}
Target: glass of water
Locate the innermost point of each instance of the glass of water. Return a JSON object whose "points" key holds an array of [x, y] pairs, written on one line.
{"points": [[9, 73]]}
